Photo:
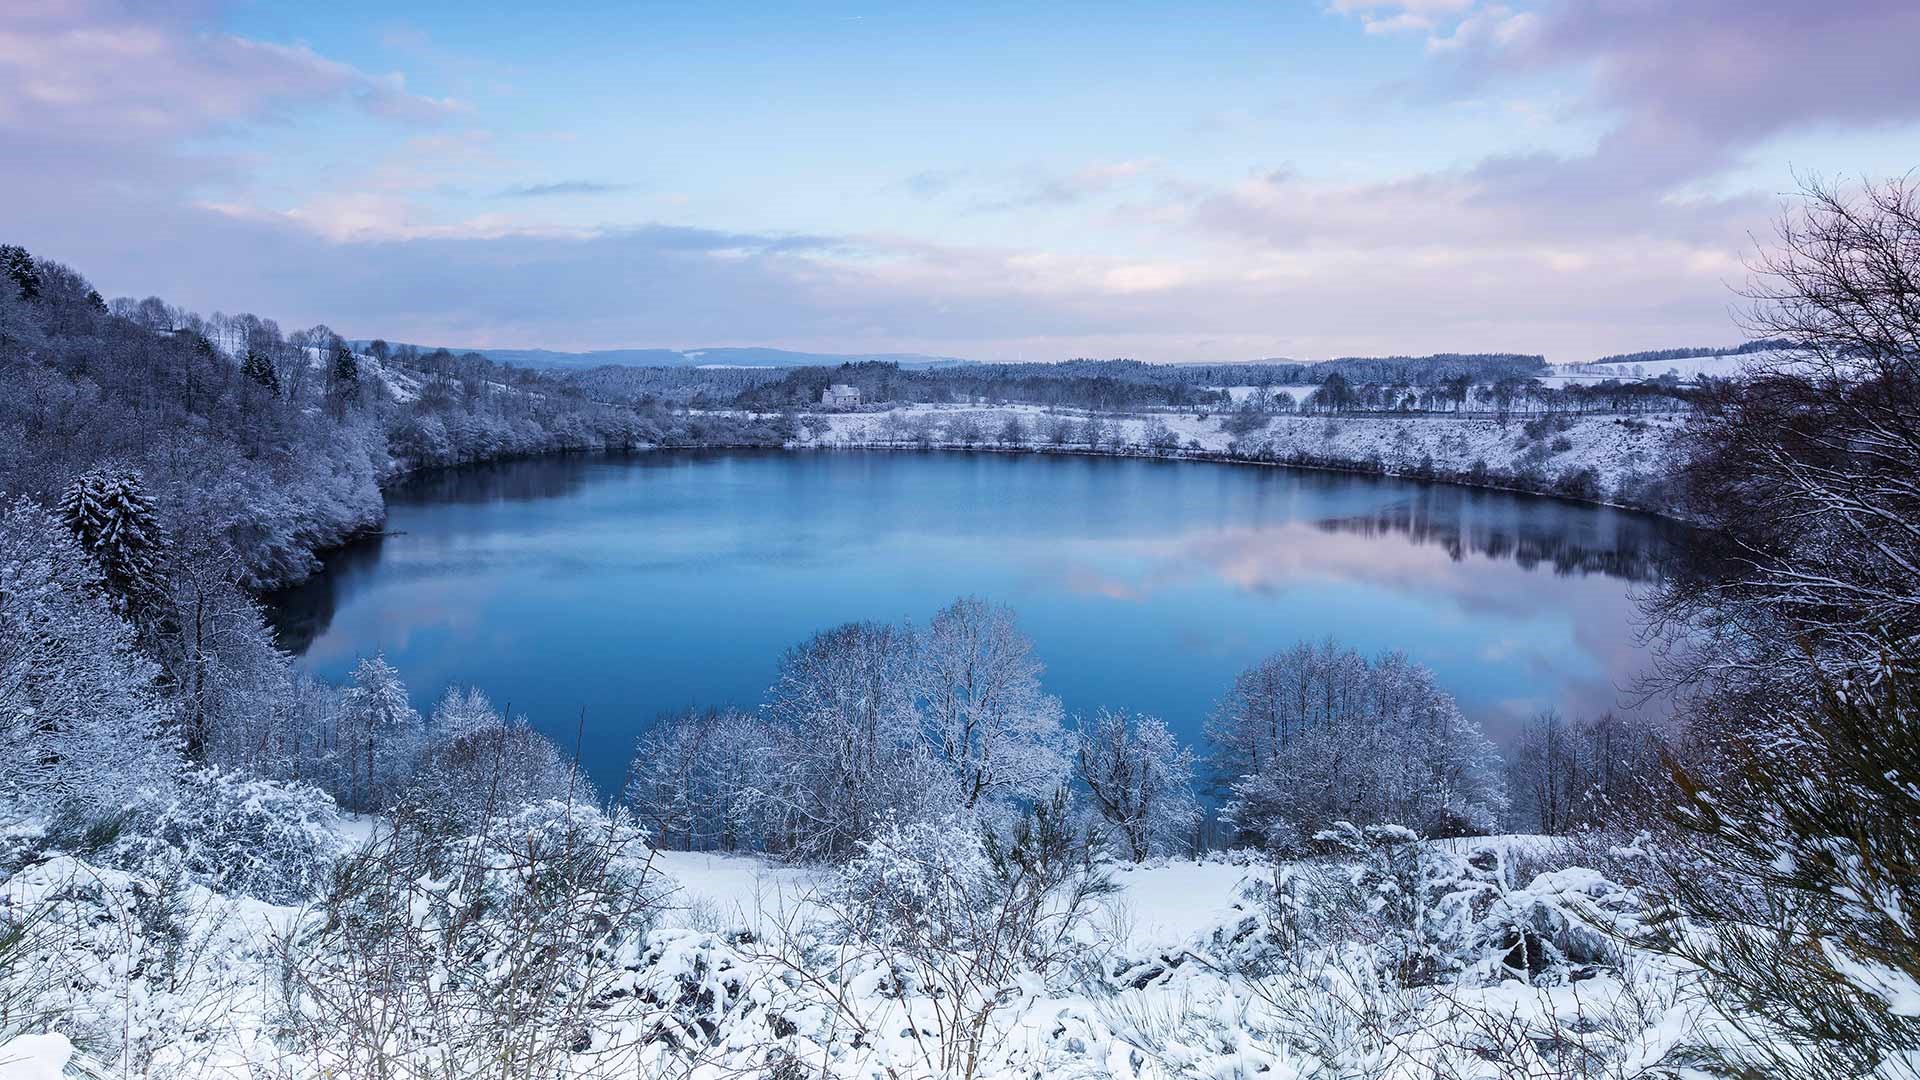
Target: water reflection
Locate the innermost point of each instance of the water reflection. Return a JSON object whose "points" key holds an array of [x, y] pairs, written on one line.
{"points": [[1626, 546], [636, 583]]}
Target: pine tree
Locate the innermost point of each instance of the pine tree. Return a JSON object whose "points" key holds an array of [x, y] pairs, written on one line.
{"points": [[18, 265], [115, 520], [346, 368], [258, 368], [344, 382]]}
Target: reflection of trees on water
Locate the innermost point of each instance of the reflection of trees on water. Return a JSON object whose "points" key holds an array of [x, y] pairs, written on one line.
{"points": [[504, 481], [1530, 533], [302, 613], [299, 615]]}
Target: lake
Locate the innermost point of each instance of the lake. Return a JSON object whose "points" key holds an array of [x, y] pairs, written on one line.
{"points": [[630, 585]]}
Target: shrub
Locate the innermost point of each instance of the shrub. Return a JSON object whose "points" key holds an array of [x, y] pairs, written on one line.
{"points": [[234, 834], [502, 954]]}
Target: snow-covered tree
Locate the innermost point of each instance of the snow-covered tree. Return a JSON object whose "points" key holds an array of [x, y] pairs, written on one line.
{"points": [[115, 519], [380, 732], [1140, 779], [711, 779], [259, 368], [18, 266], [996, 731], [461, 712], [1317, 734], [81, 729], [221, 665], [476, 765], [853, 752], [1564, 775]]}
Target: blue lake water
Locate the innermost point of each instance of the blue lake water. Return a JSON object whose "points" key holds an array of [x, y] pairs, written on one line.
{"points": [[629, 585]]}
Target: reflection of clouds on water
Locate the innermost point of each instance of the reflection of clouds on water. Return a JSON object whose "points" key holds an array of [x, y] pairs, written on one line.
{"points": [[1571, 652], [1269, 560], [1501, 650], [1089, 582], [455, 607], [666, 581]]}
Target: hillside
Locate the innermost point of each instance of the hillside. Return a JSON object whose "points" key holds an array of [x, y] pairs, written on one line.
{"points": [[705, 357]]}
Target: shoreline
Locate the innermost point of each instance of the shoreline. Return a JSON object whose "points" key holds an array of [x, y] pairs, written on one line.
{"points": [[1490, 481]]}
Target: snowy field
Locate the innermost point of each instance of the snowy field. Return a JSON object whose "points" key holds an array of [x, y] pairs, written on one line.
{"points": [[1687, 369], [1194, 969]]}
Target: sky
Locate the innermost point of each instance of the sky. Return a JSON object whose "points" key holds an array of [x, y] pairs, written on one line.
{"points": [[1192, 182]]}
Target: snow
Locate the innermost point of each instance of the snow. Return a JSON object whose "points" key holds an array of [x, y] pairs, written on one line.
{"points": [[35, 1057], [1616, 448], [729, 891], [1160, 905], [1239, 394], [1688, 368], [1164, 904], [1169, 986], [357, 830]]}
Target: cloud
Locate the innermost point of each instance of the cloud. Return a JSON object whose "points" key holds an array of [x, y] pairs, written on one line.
{"points": [[931, 182], [99, 70], [1400, 16], [134, 133], [1040, 188], [1686, 87], [564, 187]]}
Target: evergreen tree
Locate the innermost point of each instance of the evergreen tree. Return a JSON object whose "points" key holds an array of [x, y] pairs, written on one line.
{"points": [[346, 368], [344, 382], [18, 265], [258, 368], [115, 520]]}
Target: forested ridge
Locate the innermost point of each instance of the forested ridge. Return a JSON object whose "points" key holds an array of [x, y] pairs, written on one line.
{"points": [[266, 445]]}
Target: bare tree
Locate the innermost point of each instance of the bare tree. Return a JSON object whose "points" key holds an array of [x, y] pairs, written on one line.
{"points": [[996, 731], [853, 750], [1808, 474], [1140, 778]]}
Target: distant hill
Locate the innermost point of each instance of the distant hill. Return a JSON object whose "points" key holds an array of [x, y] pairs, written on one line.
{"points": [[715, 357], [1655, 356]]}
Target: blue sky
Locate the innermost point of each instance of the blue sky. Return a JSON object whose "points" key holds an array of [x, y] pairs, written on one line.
{"points": [[1217, 182]]}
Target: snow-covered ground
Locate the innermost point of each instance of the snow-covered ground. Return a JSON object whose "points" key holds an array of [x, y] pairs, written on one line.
{"points": [[1187, 971], [1687, 369]]}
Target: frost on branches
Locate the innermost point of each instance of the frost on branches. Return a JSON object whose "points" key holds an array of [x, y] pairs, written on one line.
{"points": [[81, 728], [1318, 734]]}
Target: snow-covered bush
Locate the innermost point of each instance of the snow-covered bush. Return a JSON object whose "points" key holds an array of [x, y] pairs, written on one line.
{"points": [[476, 764], [1563, 919], [956, 919], [142, 973], [235, 834], [923, 880], [508, 953]]}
